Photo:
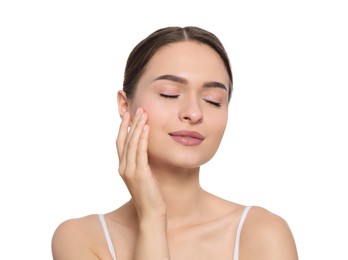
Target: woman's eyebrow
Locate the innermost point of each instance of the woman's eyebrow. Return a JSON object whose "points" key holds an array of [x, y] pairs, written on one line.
{"points": [[173, 78], [183, 81], [214, 84]]}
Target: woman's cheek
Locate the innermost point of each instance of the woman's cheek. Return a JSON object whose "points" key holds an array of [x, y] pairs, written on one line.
{"points": [[220, 122], [155, 112]]}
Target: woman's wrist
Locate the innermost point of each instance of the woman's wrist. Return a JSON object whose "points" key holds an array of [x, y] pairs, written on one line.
{"points": [[153, 222], [152, 240]]}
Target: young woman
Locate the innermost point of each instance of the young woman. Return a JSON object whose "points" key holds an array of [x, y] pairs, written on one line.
{"points": [[174, 110]]}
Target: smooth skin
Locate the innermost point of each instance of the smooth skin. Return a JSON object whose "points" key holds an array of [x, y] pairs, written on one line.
{"points": [[169, 215]]}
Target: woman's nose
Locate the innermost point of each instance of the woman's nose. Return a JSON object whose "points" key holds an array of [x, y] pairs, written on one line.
{"points": [[191, 111]]}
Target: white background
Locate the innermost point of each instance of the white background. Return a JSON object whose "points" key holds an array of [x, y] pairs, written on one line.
{"points": [[285, 148]]}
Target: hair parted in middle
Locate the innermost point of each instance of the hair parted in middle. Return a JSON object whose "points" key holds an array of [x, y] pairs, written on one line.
{"points": [[148, 47]]}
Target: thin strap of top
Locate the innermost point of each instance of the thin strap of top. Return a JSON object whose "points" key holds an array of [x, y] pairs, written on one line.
{"points": [[107, 236], [236, 244], [239, 230]]}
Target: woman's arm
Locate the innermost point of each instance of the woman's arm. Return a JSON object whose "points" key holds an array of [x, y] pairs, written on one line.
{"points": [[152, 240]]}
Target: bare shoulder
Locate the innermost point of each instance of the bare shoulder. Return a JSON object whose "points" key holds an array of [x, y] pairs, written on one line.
{"points": [[266, 235], [75, 239]]}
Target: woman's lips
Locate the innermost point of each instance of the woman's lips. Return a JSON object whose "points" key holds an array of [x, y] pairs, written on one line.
{"points": [[188, 138]]}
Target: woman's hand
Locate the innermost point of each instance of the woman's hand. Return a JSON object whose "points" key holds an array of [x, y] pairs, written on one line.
{"points": [[134, 168], [152, 241]]}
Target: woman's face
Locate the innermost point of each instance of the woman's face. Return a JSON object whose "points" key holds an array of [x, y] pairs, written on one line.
{"points": [[184, 91]]}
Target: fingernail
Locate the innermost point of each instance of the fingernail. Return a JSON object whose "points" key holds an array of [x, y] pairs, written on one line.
{"points": [[143, 116], [138, 111], [146, 128], [125, 115]]}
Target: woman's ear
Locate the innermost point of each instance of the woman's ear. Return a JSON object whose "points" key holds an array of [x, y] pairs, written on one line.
{"points": [[123, 103]]}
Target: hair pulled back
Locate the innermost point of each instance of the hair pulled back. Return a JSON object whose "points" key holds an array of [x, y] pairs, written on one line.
{"points": [[148, 47]]}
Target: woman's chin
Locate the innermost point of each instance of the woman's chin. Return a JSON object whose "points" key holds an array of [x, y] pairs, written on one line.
{"points": [[177, 162]]}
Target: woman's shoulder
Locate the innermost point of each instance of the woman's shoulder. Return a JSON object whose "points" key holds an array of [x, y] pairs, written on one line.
{"points": [[266, 235], [76, 226], [261, 221], [76, 238]]}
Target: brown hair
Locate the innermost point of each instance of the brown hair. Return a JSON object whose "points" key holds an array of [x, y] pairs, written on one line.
{"points": [[148, 47]]}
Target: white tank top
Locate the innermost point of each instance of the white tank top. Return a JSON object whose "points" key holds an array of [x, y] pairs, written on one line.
{"points": [[236, 244]]}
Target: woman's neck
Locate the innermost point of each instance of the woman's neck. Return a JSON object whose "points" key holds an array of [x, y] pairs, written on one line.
{"points": [[181, 191]]}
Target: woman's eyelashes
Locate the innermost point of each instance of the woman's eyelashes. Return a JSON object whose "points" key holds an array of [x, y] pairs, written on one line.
{"points": [[217, 104], [214, 103], [168, 96]]}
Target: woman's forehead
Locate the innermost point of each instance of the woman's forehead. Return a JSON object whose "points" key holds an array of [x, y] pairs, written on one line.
{"points": [[187, 57]]}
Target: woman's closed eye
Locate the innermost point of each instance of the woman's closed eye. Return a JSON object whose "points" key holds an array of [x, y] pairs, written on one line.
{"points": [[168, 96], [217, 104], [214, 103]]}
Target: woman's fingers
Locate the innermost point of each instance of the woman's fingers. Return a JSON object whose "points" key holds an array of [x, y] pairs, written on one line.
{"points": [[128, 142], [133, 125], [122, 134], [132, 149], [142, 149]]}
